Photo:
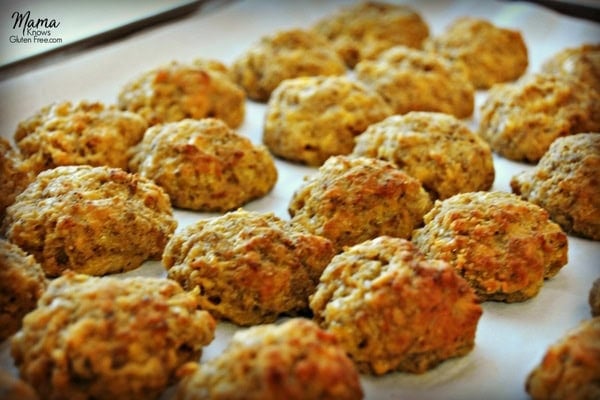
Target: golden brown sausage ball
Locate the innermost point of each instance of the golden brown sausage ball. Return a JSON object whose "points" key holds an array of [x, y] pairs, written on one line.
{"points": [[204, 165], [349, 200], [109, 338], [582, 62], [15, 175], [176, 91], [295, 360], [415, 80], [364, 30], [503, 246], [250, 267], [22, 282], [86, 133], [284, 55], [312, 118], [565, 183], [437, 149], [521, 120], [93, 220], [491, 54], [570, 368], [393, 310]]}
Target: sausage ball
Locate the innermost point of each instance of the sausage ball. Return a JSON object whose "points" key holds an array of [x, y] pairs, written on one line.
{"points": [[176, 91], [415, 80], [565, 183], [109, 338], [491, 54], [582, 62], [521, 120], [570, 368], [503, 246], [22, 282], [393, 310], [250, 267], [350, 200], [204, 165], [92, 220], [364, 30], [437, 149], [15, 175], [312, 118], [86, 133], [284, 55], [295, 360]]}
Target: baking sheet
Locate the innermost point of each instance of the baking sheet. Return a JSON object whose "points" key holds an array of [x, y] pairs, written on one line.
{"points": [[511, 338]]}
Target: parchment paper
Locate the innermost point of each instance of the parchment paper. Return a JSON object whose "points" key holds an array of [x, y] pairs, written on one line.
{"points": [[511, 338]]}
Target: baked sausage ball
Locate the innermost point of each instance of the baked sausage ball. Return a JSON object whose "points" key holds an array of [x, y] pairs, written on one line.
{"points": [[364, 30], [250, 267], [582, 62], [415, 80], [350, 200], [521, 120], [284, 55], [109, 338], [86, 133], [15, 175], [310, 119], [295, 360], [492, 54], [393, 310], [437, 149], [22, 282], [92, 220], [570, 368], [176, 91], [565, 183], [204, 165], [503, 246]]}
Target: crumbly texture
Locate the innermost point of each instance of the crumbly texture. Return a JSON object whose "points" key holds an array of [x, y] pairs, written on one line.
{"points": [[284, 55], [437, 149], [415, 80], [581, 62], [521, 120], [204, 165], [22, 282], [565, 183], [109, 338], [570, 368], [492, 54], [250, 267], [352, 199], [503, 246], [364, 30], [176, 91], [12, 388], [295, 360], [393, 310], [594, 298], [86, 133], [92, 220], [15, 175], [310, 119]]}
